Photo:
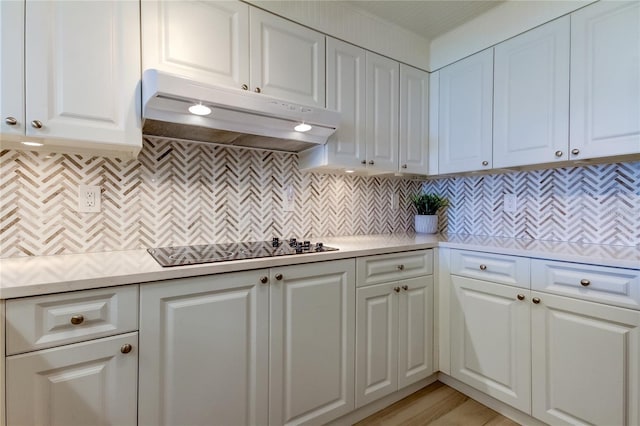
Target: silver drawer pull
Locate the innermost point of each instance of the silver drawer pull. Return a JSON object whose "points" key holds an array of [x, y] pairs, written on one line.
{"points": [[585, 283], [483, 267], [126, 348], [400, 267]]}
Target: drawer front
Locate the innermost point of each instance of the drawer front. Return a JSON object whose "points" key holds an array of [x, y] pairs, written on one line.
{"points": [[497, 268], [392, 267], [45, 321], [613, 286]]}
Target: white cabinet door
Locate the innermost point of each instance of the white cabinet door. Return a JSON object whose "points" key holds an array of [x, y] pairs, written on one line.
{"points": [[287, 59], [490, 339], [207, 41], [415, 335], [312, 328], [586, 362], [465, 111], [85, 383], [382, 113], [531, 97], [11, 69], [346, 94], [204, 350], [605, 80], [83, 71], [376, 342], [414, 120]]}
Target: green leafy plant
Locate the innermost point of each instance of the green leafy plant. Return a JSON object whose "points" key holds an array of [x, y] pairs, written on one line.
{"points": [[428, 204]]}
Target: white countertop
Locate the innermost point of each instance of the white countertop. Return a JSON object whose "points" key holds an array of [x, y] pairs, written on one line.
{"points": [[35, 275]]}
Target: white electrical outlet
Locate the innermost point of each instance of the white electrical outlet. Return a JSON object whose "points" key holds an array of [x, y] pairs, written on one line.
{"points": [[510, 203], [88, 199], [289, 199], [395, 201]]}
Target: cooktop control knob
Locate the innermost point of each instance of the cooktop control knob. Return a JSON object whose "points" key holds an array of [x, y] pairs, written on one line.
{"points": [[292, 242], [319, 246], [275, 242], [307, 245], [299, 248]]}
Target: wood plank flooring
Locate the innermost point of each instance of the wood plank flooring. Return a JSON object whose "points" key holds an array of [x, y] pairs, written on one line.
{"points": [[437, 405]]}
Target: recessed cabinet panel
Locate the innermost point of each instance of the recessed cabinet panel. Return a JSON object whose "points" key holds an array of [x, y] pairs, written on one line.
{"points": [[605, 79], [85, 383], [287, 59], [382, 113], [531, 97], [586, 368], [346, 94], [93, 99], [207, 41], [490, 345], [12, 68], [414, 120], [465, 116], [498, 268]]}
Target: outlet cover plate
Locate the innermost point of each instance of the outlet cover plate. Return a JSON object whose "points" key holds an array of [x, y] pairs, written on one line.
{"points": [[89, 199]]}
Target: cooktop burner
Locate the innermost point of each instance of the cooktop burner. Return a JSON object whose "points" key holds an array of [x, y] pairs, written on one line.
{"points": [[209, 253]]}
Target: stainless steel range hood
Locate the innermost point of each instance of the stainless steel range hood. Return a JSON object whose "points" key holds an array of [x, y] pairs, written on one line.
{"points": [[238, 118]]}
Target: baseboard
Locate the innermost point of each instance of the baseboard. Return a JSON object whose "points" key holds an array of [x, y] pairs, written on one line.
{"points": [[382, 403], [498, 406]]}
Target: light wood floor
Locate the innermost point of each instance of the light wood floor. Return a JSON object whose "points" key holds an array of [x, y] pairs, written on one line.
{"points": [[437, 405]]}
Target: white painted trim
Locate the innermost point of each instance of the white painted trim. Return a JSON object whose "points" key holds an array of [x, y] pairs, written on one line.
{"points": [[511, 18], [484, 399]]}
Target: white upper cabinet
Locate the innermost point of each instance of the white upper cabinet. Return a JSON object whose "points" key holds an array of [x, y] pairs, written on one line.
{"points": [[382, 112], [11, 69], [207, 41], [531, 97], [414, 120], [346, 94], [81, 80], [605, 80], [464, 116], [287, 59]]}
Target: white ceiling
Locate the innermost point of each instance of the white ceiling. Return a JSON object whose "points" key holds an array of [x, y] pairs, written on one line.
{"points": [[427, 18]]}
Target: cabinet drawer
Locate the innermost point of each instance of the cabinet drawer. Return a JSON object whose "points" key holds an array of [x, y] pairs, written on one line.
{"points": [[45, 321], [392, 267], [497, 268], [614, 286]]}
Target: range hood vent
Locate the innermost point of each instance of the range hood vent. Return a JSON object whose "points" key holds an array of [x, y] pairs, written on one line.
{"points": [[238, 118]]}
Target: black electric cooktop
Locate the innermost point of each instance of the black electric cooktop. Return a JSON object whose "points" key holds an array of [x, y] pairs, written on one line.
{"points": [[209, 253]]}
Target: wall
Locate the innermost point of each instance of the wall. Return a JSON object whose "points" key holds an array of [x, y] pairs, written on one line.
{"points": [[184, 193]]}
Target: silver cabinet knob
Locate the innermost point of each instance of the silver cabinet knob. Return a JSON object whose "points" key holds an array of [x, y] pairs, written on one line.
{"points": [[485, 163], [258, 90], [536, 300], [575, 151], [558, 154], [126, 348], [371, 162], [11, 121], [585, 283], [396, 289], [244, 87], [521, 297], [264, 280], [363, 162], [77, 319], [36, 124], [405, 287], [400, 267], [483, 267], [404, 166], [279, 277]]}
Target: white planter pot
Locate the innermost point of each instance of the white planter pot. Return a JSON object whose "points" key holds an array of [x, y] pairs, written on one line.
{"points": [[426, 224]]}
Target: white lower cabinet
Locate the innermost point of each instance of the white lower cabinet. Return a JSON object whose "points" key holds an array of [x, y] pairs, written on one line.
{"points": [[249, 348], [586, 366], [87, 383], [394, 336], [204, 345], [490, 339]]}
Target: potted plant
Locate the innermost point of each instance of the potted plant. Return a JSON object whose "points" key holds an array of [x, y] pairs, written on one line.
{"points": [[427, 206]]}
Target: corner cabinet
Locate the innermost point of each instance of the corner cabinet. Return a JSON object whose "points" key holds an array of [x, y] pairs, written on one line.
{"points": [[80, 78], [605, 80], [465, 106], [235, 45]]}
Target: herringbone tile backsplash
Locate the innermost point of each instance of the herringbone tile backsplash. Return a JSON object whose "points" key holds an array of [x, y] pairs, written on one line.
{"points": [[183, 193]]}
